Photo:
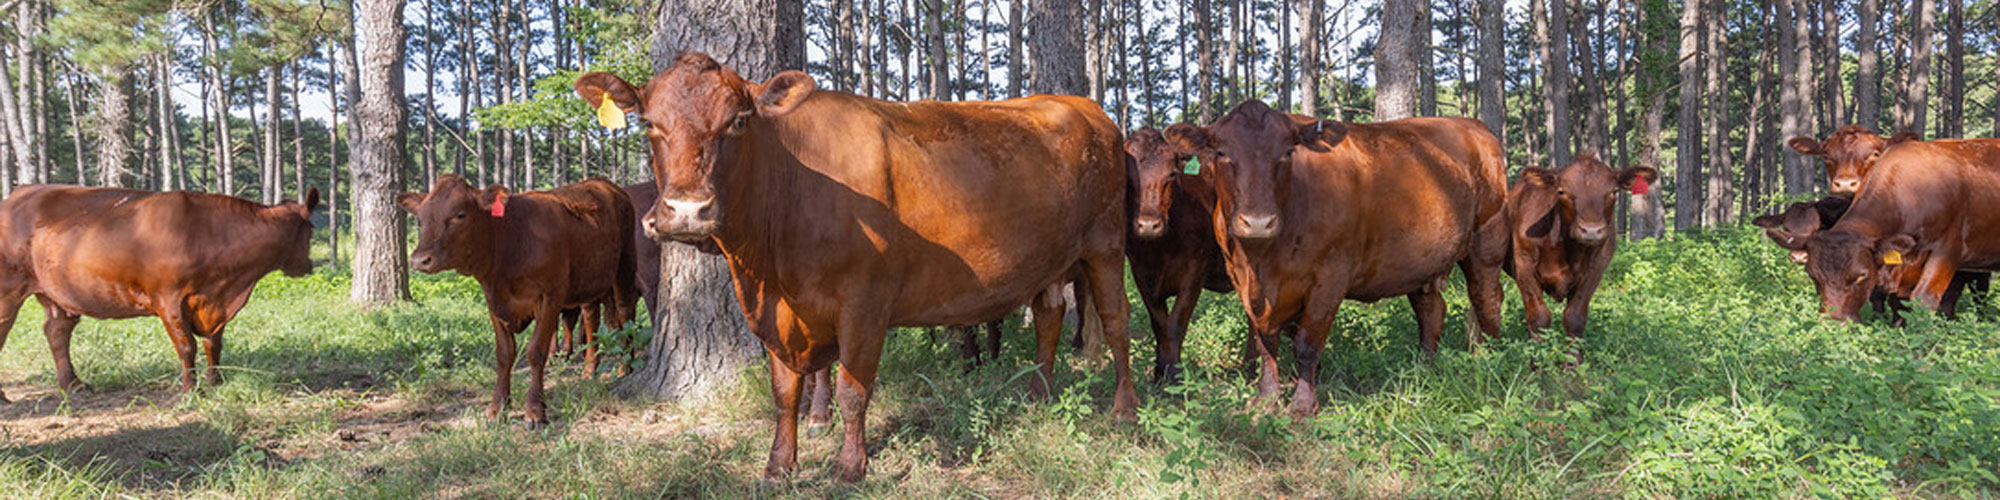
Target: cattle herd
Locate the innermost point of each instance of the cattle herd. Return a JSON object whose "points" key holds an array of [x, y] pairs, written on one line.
{"points": [[842, 216]]}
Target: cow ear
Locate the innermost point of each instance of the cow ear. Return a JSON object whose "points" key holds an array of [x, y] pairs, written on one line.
{"points": [[783, 93], [493, 194], [312, 200], [593, 88], [410, 201], [1187, 139], [1902, 137], [1321, 135], [1769, 221], [1538, 177], [1902, 244], [1629, 174], [1806, 146], [1544, 224]]}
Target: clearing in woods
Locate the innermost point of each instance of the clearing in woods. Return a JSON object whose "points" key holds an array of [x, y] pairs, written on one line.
{"points": [[1708, 373]]}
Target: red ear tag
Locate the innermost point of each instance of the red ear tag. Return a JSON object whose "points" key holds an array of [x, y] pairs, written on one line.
{"points": [[499, 207], [1640, 186]]}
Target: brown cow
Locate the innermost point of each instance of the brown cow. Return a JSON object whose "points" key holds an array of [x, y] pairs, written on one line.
{"points": [[1795, 226], [190, 259], [1563, 234], [842, 216], [534, 254], [1171, 244], [1934, 199], [1309, 213], [1850, 153], [646, 252], [1791, 228]]}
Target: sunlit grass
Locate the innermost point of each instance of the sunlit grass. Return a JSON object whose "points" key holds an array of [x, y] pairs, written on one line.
{"points": [[1707, 373]]}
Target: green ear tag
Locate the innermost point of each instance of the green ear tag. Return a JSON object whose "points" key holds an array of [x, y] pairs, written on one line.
{"points": [[1193, 166]]}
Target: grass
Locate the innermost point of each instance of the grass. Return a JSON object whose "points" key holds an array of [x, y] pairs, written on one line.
{"points": [[1708, 374]]}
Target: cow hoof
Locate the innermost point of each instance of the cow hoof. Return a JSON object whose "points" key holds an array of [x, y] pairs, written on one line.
{"points": [[536, 425], [817, 429]]}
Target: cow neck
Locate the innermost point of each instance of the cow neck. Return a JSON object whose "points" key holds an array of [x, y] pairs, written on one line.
{"points": [[1874, 217], [758, 192], [497, 242]]}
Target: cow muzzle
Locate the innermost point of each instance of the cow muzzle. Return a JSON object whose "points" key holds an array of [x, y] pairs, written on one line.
{"points": [[1148, 226], [1254, 226], [425, 262], [1845, 185], [1592, 233], [683, 220]]}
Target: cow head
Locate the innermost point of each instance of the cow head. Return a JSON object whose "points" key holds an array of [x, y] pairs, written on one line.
{"points": [[1850, 152], [697, 114], [1247, 156], [296, 217], [1586, 196], [1846, 266], [1151, 168], [1801, 220], [455, 224]]}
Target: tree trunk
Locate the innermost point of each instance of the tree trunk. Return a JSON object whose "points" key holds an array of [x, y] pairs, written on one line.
{"points": [[702, 343], [114, 125], [1868, 72], [1205, 57], [381, 275], [1553, 39], [1910, 115], [1952, 123], [271, 185], [1016, 71], [1057, 48], [298, 133], [466, 77], [1687, 144], [1398, 77], [940, 84], [1595, 130], [1831, 61], [1721, 192], [170, 141], [1493, 66], [13, 132], [1795, 69], [1310, 13]]}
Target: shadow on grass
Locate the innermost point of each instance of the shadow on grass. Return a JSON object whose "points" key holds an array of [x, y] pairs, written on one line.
{"points": [[148, 458]]}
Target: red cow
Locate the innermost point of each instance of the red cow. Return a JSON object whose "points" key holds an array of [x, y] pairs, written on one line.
{"points": [[1795, 226], [1309, 213], [190, 259], [1563, 234], [842, 216], [1850, 153], [1937, 199], [1171, 244], [534, 254]]}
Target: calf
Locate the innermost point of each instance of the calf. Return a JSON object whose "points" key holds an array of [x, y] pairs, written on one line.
{"points": [[1171, 243], [1563, 234], [1309, 213], [1795, 226], [534, 254], [842, 216], [1850, 153], [1937, 199], [190, 259]]}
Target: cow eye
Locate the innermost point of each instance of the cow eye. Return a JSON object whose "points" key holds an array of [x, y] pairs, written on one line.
{"points": [[1287, 158], [742, 120], [459, 217]]}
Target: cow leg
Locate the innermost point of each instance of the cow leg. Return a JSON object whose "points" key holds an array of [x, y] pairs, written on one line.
{"points": [[1948, 306], [1047, 313], [1167, 361], [785, 386], [1527, 279], [1105, 281], [860, 354], [1428, 304], [590, 317], [538, 362], [503, 368], [1482, 278], [58, 324], [1940, 272], [1265, 346], [993, 338], [1307, 343], [819, 410], [10, 308], [962, 338], [213, 349]]}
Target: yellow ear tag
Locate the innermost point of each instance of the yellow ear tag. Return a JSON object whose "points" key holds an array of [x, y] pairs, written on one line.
{"points": [[609, 114], [1893, 258]]}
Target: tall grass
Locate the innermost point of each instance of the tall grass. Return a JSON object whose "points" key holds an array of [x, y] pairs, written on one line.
{"points": [[1707, 373]]}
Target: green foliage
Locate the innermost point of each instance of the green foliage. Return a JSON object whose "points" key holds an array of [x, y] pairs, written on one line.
{"points": [[1707, 373], [106, 36]]}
